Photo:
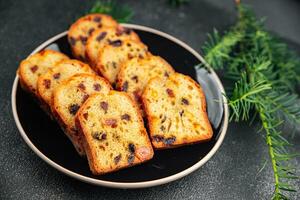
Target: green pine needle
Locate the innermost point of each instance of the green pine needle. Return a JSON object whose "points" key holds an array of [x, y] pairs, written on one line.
{"points": [[265, 75], [121, 13]]}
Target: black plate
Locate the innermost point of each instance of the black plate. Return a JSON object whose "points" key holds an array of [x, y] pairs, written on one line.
{"points": [[49, 139]]}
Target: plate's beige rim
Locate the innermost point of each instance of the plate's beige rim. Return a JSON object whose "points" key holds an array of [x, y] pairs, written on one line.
{"points": [[124, 184]]}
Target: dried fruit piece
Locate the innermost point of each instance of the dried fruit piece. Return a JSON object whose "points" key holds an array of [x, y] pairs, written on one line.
{"points": [[104, 106], [125, 117], [111, 122], [73, 108]]}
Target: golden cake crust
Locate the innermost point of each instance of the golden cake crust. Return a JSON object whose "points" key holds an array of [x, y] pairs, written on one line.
{"points": [[113, 131], [80, 31], [176, 112]]}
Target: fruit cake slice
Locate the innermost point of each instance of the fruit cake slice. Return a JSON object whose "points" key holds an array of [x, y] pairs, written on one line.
{"points": [[56, 75], [83, 28], [176, 112], [114, 132], [69, 96], [106, 35], [112, 55], [135, 74], [35, 65]]}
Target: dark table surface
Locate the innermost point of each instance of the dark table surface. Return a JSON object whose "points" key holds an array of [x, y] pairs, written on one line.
{"points": [[233, 173]]}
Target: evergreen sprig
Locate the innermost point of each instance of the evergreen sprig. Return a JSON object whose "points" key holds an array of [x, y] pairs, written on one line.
{"points": [[121, 13], [265, 75]]}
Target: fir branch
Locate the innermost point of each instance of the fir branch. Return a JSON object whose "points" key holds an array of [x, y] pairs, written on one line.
{"points": [[277, 151], [243, 98], [217, 48], [121, 13], [266, 74], [286, 103]]}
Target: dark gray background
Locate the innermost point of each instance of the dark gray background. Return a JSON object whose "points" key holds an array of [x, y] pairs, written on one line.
{"points": [[231, 174]]}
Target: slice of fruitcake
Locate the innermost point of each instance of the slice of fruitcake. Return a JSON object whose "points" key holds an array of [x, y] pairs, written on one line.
{"points": [[106, 35], [35, 65], [135, 74], [114, 132], [56, 75], [83, 28], [176, 112], [69, 96], [113, 54]]}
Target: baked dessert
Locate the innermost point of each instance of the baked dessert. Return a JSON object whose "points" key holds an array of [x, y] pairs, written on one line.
{"points": [[69, 96], [114, 132], [112, 55], [135, 73], [176, 112], [35, 65], [106, 35], [56, 75], [83, 28]]}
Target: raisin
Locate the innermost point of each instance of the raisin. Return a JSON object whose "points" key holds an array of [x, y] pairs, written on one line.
{"points": [[91, 30], [111, 122], [131, 148], [56, 75], [85, 97], [103, 136], [135, 78], [125, 117], [104, 106], [170, 92], [122, 30], [97, 87], [85, 115], [115, 43], [99, 136], [73, 108], [184, 101], [83, 39], [170, 140], [166, 74], [47, 83], [157, 138], [34, 68], [101, 36], [117, 159], [81, 86], [130, 159], [72, 41], [162, 128], [97, 19], [125, 86]]}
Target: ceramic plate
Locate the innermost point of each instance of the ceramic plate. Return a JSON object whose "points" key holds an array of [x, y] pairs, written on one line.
{"points": [[48, 141]]}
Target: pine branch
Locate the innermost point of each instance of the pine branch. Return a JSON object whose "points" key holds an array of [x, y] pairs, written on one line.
{"points": [[121, 13]]}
